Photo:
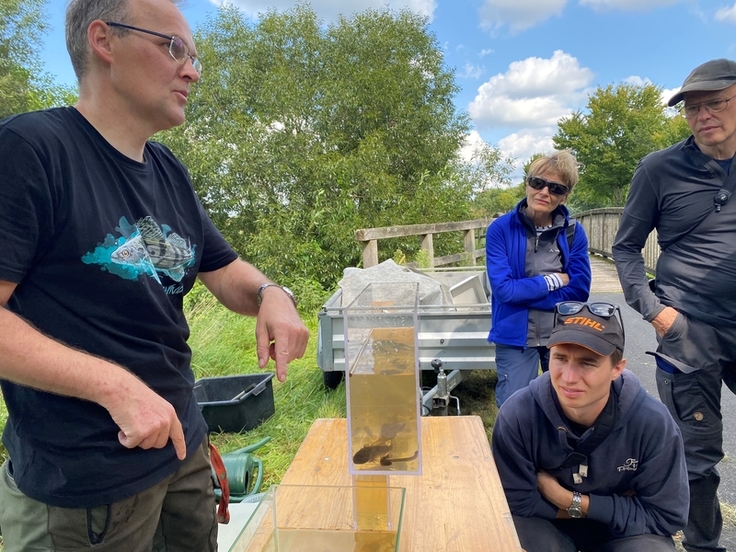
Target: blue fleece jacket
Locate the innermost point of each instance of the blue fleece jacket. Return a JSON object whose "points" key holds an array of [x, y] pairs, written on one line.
{"points": [[637, 478], [512, 292]]}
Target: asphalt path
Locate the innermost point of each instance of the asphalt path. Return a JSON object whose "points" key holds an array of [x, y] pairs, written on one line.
{"points": [[640, 337]]}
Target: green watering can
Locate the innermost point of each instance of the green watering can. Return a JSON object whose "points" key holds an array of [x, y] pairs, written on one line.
{"points": [[244, 472]]}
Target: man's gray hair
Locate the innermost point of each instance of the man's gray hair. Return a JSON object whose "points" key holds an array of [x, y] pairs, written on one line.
{"points": [[79, 15]]}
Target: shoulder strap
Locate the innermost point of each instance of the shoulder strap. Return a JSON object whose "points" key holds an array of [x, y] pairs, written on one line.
{"points": [[724, 194], [570, 232]]}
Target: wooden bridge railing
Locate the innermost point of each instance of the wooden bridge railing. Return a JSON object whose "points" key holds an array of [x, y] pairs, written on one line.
{"points": [[600, 226], [369, 238]]}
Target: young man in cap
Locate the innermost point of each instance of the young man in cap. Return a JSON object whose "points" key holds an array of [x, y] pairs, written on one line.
{"points": [[588, 460], [692, 307]]}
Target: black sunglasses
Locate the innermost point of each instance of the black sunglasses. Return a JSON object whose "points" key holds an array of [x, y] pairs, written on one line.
{"points": [[598, 308], [539, 183]]}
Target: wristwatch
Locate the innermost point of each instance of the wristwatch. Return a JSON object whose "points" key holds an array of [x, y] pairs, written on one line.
{"points": [[286, 290], [576, 508]]}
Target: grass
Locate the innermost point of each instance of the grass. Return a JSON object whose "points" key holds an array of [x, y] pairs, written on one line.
{"points": [[223, 343]]}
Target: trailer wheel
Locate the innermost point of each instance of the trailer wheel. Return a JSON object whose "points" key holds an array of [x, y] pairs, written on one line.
{"points": [[332, 379]]}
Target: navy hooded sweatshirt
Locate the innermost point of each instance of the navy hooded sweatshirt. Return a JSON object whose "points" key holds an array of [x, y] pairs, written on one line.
{"points": [[637, 478]]}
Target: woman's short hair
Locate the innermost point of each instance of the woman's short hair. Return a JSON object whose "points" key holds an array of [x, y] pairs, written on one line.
{"points": [[563, 162]]}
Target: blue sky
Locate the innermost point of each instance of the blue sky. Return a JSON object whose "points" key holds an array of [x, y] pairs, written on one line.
{"points": [[523, 64]]}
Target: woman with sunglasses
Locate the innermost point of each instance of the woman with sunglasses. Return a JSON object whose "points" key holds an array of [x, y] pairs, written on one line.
{"points": [[535, 257]]}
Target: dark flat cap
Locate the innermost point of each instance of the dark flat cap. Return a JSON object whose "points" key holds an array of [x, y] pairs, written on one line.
{"points": [[715, 74]]}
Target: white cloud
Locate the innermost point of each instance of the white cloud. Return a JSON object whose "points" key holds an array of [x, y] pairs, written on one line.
{"points": [[485, 52], [727, 14], [507, 112], [628, 5], [328, 10], [528, 100], [534, 92], [470, 144], [517, 14], [470, 71], [523, 144], [635, 80], [667, 93]]}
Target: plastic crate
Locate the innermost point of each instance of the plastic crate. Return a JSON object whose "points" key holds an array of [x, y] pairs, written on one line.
{"points": [[235, 403]]}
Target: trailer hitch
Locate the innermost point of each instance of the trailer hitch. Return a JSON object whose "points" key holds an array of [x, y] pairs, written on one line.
{"points": [[441, 398]]}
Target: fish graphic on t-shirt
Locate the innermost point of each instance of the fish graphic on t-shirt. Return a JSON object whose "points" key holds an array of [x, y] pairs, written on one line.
{"points": [[150, 249]]}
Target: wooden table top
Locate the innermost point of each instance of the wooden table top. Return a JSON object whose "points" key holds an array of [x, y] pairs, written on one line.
{"points": [[456, 505]]}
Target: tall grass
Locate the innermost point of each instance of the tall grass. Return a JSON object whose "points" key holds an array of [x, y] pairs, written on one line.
{"points": [[223, 343]]}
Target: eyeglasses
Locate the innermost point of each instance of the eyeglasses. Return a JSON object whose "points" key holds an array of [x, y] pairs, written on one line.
{"points": [[177, 48], [598, 308], [711, 106], [539, 183]]}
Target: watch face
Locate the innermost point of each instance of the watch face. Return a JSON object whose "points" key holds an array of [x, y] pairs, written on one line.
{"points": [[574, 512]]}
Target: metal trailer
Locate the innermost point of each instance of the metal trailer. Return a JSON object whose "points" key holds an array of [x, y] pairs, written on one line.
{"points": [[452, 338]]}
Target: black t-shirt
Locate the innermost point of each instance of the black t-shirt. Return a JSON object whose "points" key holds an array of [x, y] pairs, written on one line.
{"points": [[103, 249]]}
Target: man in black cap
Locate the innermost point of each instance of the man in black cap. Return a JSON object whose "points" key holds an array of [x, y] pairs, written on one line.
{"points": [[683, 191], [588, 460]]}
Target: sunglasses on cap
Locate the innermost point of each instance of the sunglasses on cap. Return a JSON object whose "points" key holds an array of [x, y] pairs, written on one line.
{"points": [[598, 308], [539, 183]]}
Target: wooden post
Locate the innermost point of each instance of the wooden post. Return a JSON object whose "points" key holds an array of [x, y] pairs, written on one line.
{"points": [[470, 244], [370, 253], [428, 246]]}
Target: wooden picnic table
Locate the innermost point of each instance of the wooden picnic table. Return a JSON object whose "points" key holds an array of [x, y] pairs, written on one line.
{"points": [[456, 505]]}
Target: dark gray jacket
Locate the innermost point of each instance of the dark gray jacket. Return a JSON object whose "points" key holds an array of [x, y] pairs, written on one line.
{"points": [[671, 191]]}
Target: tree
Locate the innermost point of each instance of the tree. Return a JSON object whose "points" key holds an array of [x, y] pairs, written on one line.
{"points": [[21, 25], [622, 125], [23, 85], [488, 172], [300, 133]]}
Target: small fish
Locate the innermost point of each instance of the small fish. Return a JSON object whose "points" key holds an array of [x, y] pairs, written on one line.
{"points": [[371, 453], [387, 461]]}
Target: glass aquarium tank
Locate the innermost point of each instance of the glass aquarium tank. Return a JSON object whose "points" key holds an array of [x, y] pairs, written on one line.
{"points": [[312, 518], [383, 381]]}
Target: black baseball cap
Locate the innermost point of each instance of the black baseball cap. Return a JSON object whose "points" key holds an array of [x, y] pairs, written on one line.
{"points": [[715, 74], [602, 335]]}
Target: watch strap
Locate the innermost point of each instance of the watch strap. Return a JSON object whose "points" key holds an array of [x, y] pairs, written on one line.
{"points": [[576, 507], [286, 290]]}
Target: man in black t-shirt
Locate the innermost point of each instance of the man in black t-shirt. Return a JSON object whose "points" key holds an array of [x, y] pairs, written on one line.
{"points": [[102, 236]]}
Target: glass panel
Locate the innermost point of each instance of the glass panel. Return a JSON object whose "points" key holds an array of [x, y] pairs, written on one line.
{"points": [[305, 518], [383, 391]]}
